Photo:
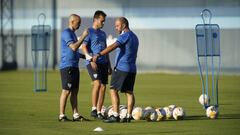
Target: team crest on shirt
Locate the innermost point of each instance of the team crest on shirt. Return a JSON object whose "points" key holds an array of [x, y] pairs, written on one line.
{"points": [[95, 75], [69, 85]]}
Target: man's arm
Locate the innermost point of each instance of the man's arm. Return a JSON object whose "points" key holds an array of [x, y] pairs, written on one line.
{"points": [[109, 65], [105, 51], [81, 55], [76, 45], [85, 52], [89, 57]]}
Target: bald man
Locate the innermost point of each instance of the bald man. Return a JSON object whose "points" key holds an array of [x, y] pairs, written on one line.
{"points": [[69, 67], [123, 76]]}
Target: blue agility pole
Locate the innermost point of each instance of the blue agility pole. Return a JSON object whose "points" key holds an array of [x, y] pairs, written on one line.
{"points": [[40, 53], [208, 57]]}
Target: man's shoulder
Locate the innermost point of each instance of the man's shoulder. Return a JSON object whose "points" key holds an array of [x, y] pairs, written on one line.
{"points": [[66, 31], [133, 35], [91, 32], [102, 31], [124, 35]]}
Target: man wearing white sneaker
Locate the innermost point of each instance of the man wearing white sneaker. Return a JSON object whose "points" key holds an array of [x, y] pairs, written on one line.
{"points": [[123, 76], [69, 67], [100, 69]]}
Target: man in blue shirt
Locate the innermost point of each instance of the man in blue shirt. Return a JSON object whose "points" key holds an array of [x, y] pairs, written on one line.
{"points": [[123, 77], [94, 43], [69, 67]]}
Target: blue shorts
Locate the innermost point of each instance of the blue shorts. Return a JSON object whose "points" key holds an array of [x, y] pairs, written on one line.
{"points": [[122, 81], [101, 73], [70, 78]]}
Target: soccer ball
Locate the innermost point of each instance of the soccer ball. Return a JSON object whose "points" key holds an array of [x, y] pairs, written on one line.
{"points": [[137, 113], [178, 113], [212, 112], [153, 116], [122, 107], [204, 99], [172, 107], [161, 114], [148, 108], [147, 112], [123, 113], [168, 112]]}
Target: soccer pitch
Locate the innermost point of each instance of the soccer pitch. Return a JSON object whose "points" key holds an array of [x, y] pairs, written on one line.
{"points": [[24, 112]]}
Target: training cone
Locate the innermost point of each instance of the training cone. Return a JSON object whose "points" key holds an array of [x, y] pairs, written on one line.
{"points": [[98, 129]]}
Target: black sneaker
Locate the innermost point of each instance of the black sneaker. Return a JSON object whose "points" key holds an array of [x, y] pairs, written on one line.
{"points": [[112, 119], [80, 119], [94, 113], [63, 119], [126, 120], [100, 116]]}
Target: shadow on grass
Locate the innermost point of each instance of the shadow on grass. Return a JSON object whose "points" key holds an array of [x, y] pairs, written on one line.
{"points": [[221, 116], [144, 133], [229, 116]]}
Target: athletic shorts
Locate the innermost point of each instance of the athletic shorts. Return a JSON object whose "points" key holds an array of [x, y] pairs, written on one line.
{"points": [[101, 73], [122, 81], [70, 78]]}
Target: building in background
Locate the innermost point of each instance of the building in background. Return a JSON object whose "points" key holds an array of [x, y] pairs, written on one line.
{"points": [[165, 29]]}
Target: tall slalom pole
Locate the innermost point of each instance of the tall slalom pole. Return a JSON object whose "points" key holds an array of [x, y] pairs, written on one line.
{"points": [[40, 53], [208, 54]]}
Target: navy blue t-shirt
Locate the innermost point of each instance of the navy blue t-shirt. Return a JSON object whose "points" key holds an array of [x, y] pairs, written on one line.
{"points": [[69, 58], [127, 52], [96, 42]]}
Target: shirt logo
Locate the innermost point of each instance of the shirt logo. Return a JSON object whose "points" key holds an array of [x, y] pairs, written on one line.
{"points": [[95, 75], [69, 85]]}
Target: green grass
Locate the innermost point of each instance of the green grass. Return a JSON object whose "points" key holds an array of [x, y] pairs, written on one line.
{"points": [[24, 112]]}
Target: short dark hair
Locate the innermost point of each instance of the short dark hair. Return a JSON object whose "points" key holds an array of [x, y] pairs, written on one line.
{"points": [[124, 20], [99, 13]]}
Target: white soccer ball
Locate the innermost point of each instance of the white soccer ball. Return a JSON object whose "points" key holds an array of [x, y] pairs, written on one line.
{"points": [[147, 112], [168, 112], [172, 107], [178, 113], [204, 99], [153, 116], [122, 107], [148, 108], [137, 113], [161, 114], [123, 113], [150, 115], [212, 112]]}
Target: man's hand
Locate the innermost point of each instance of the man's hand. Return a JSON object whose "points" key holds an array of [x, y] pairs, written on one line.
{"points": [[82, 56], [85, 33], [95, 57], [94, 66], [88, 57], [109, 71]]}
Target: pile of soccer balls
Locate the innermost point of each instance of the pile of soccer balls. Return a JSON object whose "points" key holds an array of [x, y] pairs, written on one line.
{"points": [[149, 113], [212, 111]]}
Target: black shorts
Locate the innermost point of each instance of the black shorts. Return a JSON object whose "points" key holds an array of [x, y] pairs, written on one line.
{"points": [[101, 73], [70, 78], [122, 81]]}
